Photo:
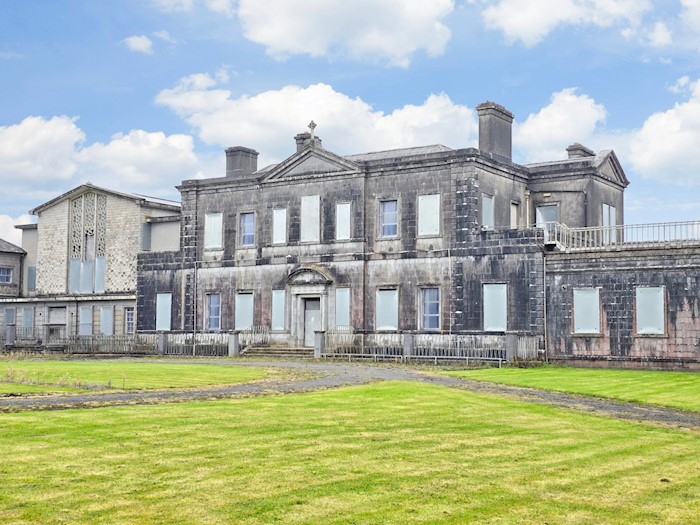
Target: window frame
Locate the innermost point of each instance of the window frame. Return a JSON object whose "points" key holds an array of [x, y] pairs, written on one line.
{"points": [[500, 328], [5, 275], [660, 332], [209, 311], [243, 233], [209, 226], [581, 292], [425, 314], [491, 225], [338, 205], [129, 320], [422, 222], [515, 205], [160, 326], [386, 328], [307, 233], [382, 215], [274, 314], [279, 212], [237, 318], [343, 290]]}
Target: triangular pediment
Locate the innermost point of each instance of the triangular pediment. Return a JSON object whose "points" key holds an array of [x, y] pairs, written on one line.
{"points": [[312, 160], [609, 167]]}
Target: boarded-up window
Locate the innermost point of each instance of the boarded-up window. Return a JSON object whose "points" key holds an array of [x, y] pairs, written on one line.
{"points": [[586, 310], [31, 278], [342, 221], [650, 310], [213, 231], [100, 264], [429, 214], [430, 308], [247, 236], [310, 218], [495, 307], [279, 226], [389, 218], [28, 318], [342, 307], [57, 315], [278, 310], [244, 310], [106, 320], [213, 312], [487, 212], [514, 215], [85, 320], [163, 308], [387, 307]]}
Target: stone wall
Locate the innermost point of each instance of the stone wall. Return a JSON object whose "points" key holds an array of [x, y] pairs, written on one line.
{"points": [[618, 274], [52, 249]]}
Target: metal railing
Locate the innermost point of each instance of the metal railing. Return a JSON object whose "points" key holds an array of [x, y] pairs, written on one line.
{"points": [[111, 344], [672, 234], [255, 336], [215, 344]]}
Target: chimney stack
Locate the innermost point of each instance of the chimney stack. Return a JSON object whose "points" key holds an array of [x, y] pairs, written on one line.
{"points": [[495, 130], [304, 139], [578, 151], [241, 161]]}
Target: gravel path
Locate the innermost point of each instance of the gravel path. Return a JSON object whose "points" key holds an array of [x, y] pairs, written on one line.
{"points": [[333, 374]]}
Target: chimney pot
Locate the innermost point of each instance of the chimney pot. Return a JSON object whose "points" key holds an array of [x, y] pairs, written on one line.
{"points": [[304, 139]]}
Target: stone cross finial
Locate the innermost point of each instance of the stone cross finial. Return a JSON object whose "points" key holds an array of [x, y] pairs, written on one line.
{"points": [[312, 127]]}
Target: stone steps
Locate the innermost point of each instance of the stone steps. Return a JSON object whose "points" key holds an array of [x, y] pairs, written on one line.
{"points": [[280, 352]]}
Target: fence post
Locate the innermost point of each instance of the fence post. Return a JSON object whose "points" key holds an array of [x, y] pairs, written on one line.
{"points": [[409, 343], [511, 347], [319, 343], [234, 346], [161, 343]]}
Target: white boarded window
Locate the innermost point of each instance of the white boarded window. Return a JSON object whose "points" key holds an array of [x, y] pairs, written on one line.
{"points": [[487, 212], [388, 218], [586, 310], [514, 215], [429, 214], [495, 307], [213, 231], [430, 308], [650, 310], [310, 218], [244, 310], [342, 221], [387, 309], [278, 314], [213, 312], [85, 320], [342, 307], [106, 320], [279, 226], [609, 223], [163, 305]]}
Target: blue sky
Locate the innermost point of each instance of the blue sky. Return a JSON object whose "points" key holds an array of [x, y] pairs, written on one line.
{"points": [[137, 95]]}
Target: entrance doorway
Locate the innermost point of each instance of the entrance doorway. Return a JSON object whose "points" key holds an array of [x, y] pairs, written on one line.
{"points": [[312, 319]]}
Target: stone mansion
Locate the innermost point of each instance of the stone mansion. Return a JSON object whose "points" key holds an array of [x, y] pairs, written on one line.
{"points": [[424, 240]]}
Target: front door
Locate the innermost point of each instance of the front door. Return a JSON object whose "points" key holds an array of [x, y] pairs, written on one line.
{"points": [[312, 320]]}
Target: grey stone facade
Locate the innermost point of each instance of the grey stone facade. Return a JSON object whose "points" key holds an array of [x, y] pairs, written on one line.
{"points": [[486, 250]]}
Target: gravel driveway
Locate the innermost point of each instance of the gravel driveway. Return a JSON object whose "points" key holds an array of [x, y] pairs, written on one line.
{"points": [[322, 375]]}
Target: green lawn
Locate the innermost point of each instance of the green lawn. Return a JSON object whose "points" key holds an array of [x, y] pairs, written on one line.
{"points": [[19, 388], [121, 374], [671, 389], [380, 453]]}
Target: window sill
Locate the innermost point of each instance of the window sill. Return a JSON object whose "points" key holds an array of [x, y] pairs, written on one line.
{"points": [[652, 336], [583, 334]]}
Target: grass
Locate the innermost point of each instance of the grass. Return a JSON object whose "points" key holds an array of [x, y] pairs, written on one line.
{"points": [[379, 453], [120, 374], [670, 389]]}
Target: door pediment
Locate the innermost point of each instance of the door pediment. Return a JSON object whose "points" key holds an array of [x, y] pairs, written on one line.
{"points": [[312, 161], [309, 276]]}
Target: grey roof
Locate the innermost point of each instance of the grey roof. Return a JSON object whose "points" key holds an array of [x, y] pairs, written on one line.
{"points": [[395, 153], [8, 247]]}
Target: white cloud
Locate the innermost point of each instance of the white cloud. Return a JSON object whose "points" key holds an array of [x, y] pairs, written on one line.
{"points": [[37, 148], [660, 35], [386, 30], [165, 36], [568, 118], [680, 86], [530, 21], [665, 148], [139, 44], [268, 121], [174, 6], [11, 55], [223, 7], [8, 231]]}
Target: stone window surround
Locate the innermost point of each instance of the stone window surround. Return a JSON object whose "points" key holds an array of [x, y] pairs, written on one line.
{"points": [[241, 233], [380, 217], [422, 289]]}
